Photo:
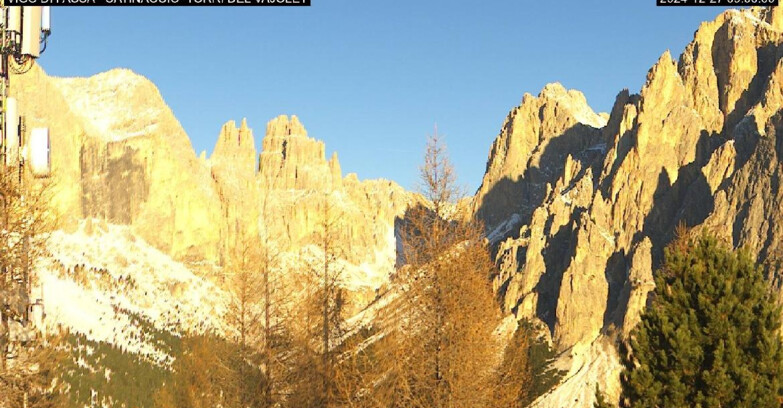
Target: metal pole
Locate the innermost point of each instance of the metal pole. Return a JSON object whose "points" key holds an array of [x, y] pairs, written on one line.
{"points": [[12, 160], [3, 95]]}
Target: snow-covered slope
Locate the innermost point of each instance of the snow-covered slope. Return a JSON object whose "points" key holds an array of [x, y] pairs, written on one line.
{"points": [[104, 282], [104, 103], [586, 366]]}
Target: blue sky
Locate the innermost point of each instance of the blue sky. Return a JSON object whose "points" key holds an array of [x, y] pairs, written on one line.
{"points": [[372, 77]]}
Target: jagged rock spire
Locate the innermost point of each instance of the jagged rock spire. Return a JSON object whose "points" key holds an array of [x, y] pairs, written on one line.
{"points": [[235, 147], [530, 149], [291, 160]]}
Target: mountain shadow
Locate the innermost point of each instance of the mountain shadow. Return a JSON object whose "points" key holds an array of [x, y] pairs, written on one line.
{"points": [[527, 192]]}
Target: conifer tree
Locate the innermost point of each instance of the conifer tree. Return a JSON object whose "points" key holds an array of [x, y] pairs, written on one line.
{"points": [[201, 377], [29, 368], [243, 368], [321, 316], [445, 352], [257, 318], [711, 336]]}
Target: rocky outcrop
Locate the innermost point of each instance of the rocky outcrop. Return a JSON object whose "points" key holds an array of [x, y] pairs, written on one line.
{"points": [[638, 285], [290, 160], [235, 151], [530, 152], [233, 170], [120, 155], [297, 182], [117, 163], [698, 146]]}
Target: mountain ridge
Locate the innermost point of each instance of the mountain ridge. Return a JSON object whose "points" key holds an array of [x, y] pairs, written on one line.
{"points": [[696, 146], [580, 205]]}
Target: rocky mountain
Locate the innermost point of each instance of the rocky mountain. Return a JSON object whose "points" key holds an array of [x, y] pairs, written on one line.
{"points": [[581, 205], [578, 205], [145, 226], [127, 167], [120, 155]]}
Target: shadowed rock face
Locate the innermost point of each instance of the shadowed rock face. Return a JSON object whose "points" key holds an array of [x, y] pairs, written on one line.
{"points": [[113, 183], [596, 203], [531, 150]]}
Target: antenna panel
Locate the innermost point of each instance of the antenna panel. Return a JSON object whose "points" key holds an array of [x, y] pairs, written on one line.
{"points": [[31, 31], [46, 19], [11, 131], [14, 22], [40, 160]]}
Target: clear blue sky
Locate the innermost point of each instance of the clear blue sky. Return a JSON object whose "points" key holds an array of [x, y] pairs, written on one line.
{"points": [[371, 78]]}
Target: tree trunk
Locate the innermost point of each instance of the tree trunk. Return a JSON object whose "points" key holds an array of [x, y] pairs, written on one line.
{"points": [[267, 334], [326, 320]]}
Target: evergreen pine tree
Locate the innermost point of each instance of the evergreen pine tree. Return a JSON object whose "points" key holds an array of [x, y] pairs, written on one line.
{"points": [[711, 336]]}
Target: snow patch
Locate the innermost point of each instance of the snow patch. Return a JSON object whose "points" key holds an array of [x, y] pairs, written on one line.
{"points": [[101, 102], [590, 364], [103, 282], [505, 227]]}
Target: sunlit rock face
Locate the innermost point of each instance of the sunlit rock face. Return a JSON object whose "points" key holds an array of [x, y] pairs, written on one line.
{"points": [[119, 154], [593, 202], [531, 150], [578, 205], [233, 170], [300, 187], [292, 160]]}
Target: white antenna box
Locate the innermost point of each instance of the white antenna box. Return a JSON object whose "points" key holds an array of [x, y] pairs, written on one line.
{"points": [[40, 160]]}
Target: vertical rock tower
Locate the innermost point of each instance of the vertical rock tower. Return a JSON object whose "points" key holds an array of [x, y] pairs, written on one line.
{"points": [[290, 160]]}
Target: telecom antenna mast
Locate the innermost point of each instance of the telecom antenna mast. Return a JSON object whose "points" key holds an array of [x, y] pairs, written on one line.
{"points": [[23, 36]]}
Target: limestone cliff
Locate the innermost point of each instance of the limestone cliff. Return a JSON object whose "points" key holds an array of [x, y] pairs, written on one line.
{"points": [[233, 170], [578, 205], [119, 154], [593, 203], [297, 181], [292, 160], [531, 149]]}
